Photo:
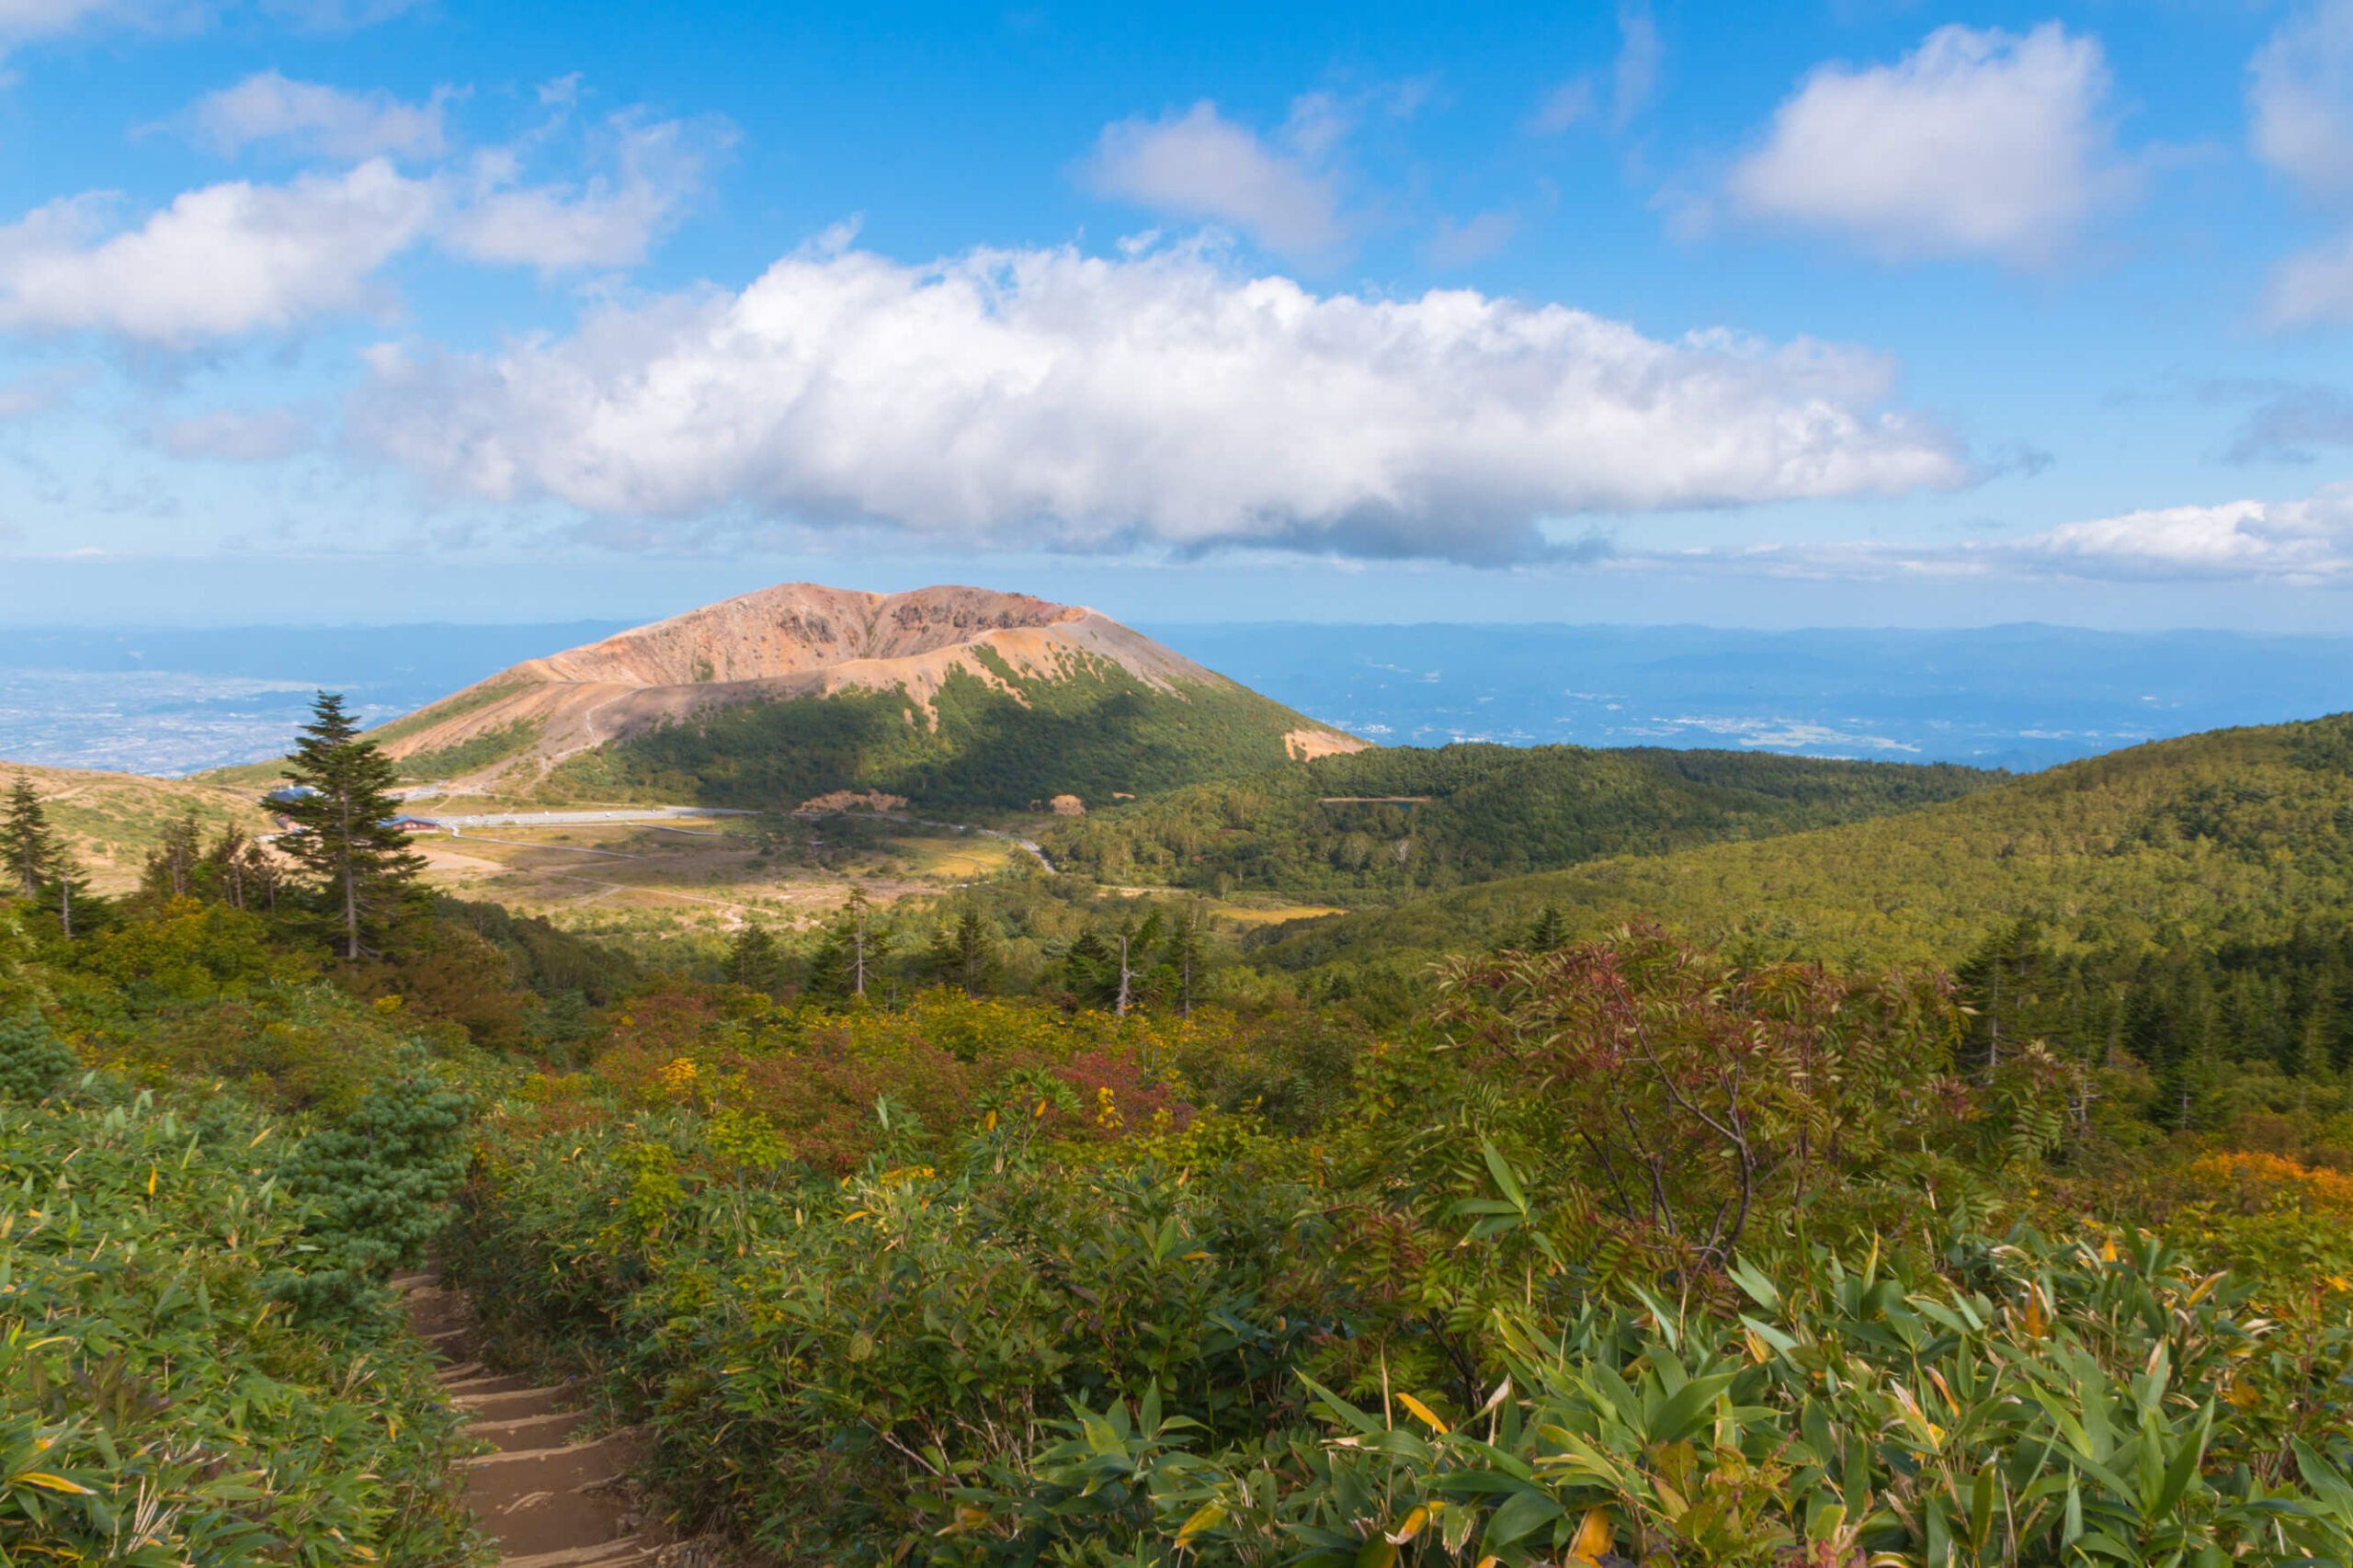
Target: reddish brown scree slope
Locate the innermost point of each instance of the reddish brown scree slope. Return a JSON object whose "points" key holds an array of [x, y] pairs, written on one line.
{"points": [[798, 640]]}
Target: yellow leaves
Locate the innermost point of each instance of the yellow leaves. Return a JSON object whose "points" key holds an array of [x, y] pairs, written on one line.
{"points": [[1208, 1516], [968, 1518], [1595, 1536], [1411, 1527], [678, 1078], [1429, 1416], [1925, 1430], [48, 1482]]}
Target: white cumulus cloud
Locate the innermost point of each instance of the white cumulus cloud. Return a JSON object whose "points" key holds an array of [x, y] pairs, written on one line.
{"points": [[1978, 142], [2308, 542], [1200, 164], [242, 256], [310, 116], [218, 261], [1047, 398]]}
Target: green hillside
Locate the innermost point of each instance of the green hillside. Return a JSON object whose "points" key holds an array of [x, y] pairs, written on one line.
{"points": [[2235, 835], [1375, 826], [1094, 730]]}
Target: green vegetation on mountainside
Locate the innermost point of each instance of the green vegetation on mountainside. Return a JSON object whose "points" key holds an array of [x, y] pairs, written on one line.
{"points": [[478, 751], [1374, 826], [2234, 833], [453, 707], [1092, 731]]}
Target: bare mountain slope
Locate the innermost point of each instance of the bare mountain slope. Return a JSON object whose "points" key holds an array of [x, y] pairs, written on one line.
{"points": [[957, 669]]}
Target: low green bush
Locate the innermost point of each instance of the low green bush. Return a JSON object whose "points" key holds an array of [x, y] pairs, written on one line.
{"points": [[33, 1061]]}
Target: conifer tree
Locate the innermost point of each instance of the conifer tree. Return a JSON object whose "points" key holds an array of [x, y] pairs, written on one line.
{"points": [[975, 953], [1183, 957], [342, 808], [34, 857], [753, 959], [851, 958], [25, 842], [171, 866]]}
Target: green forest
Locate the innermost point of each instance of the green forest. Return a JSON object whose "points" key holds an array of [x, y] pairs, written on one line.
{"points": [[1095, 730], [1837, 1166], [1374, 826]]}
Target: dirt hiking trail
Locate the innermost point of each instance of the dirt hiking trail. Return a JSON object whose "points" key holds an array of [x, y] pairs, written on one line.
{"points": [[551, 1502]]}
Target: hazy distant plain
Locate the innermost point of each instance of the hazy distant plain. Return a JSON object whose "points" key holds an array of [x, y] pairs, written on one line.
{"points": [[2017, 697]]}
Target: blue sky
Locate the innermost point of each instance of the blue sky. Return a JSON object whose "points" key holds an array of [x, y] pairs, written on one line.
{"points": [[1848, 313]]}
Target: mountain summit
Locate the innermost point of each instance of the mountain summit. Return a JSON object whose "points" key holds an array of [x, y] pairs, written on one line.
{"points": [[946, 694]]}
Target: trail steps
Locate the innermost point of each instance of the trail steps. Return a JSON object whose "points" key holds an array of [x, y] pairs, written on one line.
{"points": [[550, 1501]]}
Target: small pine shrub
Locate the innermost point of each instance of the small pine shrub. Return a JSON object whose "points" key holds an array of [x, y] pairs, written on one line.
{"points": [[33, 1061], [377, 1183]]}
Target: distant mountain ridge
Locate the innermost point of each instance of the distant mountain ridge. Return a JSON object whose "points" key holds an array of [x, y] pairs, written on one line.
{"points": [[939, 693]]}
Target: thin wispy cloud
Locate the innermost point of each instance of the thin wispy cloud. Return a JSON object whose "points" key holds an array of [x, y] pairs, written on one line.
{"points": [[1201, 165], [312, 117], [609, 220], [1978, 143], [1632, 81], [2288, 420], [2300, 113], [236, 434]]}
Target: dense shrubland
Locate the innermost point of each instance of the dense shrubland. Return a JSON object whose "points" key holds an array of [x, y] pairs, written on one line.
{"points": [[1622, 1247], [1033, 1226]]}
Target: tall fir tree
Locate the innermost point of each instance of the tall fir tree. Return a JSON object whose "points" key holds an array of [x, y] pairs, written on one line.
{"points": [[975, 953], [342, 806], [25, 842], [754, 960], [1184, 957], [34, 859], [849, 959], [172, 865]]}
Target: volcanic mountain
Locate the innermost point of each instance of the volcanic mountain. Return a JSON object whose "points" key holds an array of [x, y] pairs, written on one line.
{"points": [[945, 695]]}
